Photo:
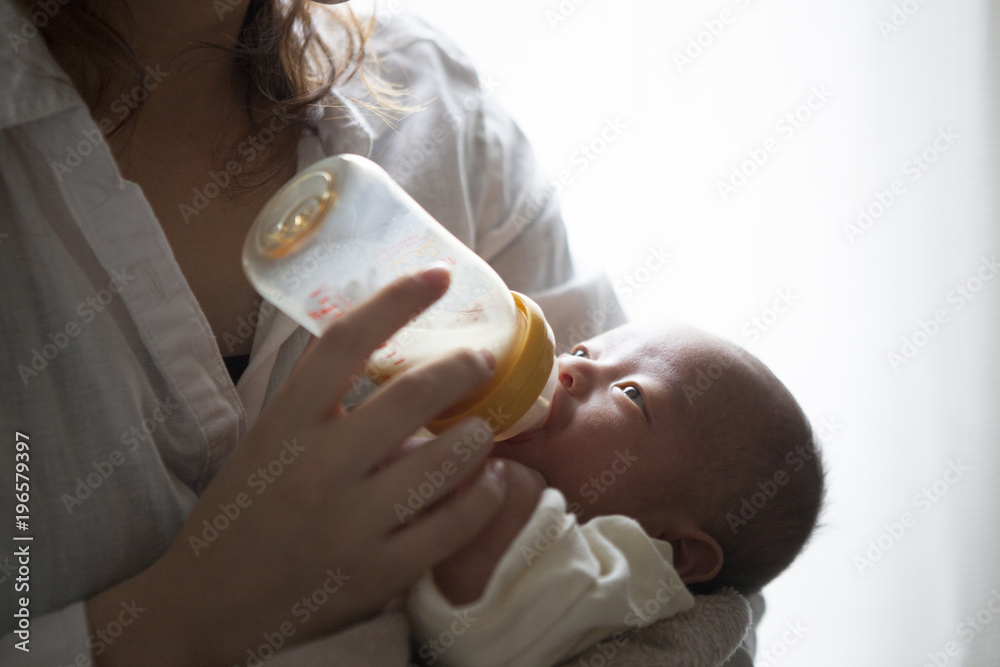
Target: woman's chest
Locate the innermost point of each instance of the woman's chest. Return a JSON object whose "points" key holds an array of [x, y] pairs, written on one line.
{"points": [[205, 219]]}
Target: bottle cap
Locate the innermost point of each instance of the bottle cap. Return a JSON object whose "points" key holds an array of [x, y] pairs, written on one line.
{"points": [[296, 214], [520, 375]]}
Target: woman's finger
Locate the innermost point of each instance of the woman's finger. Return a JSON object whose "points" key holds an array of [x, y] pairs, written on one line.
{"points": [[328, 370], [451, 525], [306, 352], [418, 480], [413, 398]]}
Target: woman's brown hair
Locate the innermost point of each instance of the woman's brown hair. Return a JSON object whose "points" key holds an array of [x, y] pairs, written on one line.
{"points": [[288, 68]]}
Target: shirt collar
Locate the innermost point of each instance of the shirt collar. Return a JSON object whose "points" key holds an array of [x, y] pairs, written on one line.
{"points": [[33, 83]]}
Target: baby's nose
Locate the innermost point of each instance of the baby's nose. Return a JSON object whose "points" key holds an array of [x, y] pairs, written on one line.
{"points": [[571, 374], [566, 379]]}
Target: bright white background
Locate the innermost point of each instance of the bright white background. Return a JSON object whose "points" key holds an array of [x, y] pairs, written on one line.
{"points": [[890, 432]]}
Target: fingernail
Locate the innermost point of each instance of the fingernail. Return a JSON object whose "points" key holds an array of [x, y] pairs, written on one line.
{"points": [[491, 361], [497, 472], [437, 277]]}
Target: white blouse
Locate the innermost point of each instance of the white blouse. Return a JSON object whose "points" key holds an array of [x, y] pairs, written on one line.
{"points": [[107, 363]]}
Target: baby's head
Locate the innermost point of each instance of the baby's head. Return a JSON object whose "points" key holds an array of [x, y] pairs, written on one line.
{"points": [[694, 438]]}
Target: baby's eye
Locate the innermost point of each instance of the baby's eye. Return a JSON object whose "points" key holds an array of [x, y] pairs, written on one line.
{"points": [[634, 395], [579, 352]]}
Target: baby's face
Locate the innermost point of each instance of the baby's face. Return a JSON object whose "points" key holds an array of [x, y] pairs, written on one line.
{"points": [[620, 438]]}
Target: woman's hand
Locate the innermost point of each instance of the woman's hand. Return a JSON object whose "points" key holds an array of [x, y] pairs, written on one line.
{"points": [[302, 532]]}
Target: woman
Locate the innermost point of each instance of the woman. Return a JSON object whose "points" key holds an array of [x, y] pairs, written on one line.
{"points": [[176, 519]]}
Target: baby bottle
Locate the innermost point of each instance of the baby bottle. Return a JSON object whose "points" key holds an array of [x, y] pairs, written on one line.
{"points": [[342, 229]]}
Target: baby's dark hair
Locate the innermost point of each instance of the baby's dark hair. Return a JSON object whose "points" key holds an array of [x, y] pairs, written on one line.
{"points": [[767, 482]]}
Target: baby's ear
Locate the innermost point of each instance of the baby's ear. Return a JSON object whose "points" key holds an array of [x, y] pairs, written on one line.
{"points": [[697, 556]]}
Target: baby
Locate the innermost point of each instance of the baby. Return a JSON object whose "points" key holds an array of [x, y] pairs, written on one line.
{"points": [[693, 468]]}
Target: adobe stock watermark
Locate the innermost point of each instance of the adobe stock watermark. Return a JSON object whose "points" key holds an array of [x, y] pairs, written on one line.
{"points": [[419, 154], [913, 168], [585, 155], [223, 7], [122, 107], [786, 127], [665, 592], [771, 655], [420, 495], [104, 637], [390, 358], [784, 299], [316, 256], [104, 468], [634, 280], [258, 481], [927, 329], [595, 487], [87, 311], [711, 31], [544, 537], [246, 326], [626, 286], [433, 649], [602, 653], [795, 460], [592, 324], [310, 604], [43, 12], [589, 151], [384, 13], [923, 501], [248, 150], [302, 611], [562, 12], [967, 630], [324, 302], [705, 378], [900, 15]]}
